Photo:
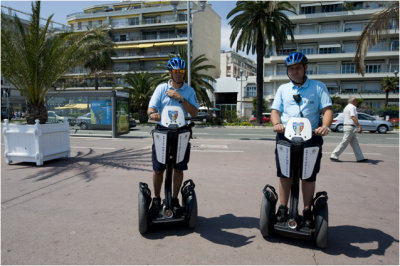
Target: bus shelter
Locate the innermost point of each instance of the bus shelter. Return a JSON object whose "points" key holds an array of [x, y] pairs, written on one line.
{"points": [[97, 113]]}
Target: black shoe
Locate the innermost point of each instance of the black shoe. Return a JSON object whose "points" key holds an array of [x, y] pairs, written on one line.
{"points": [[176, 208], [363, 161], [155, 206], [282, 214], [308, 217], [335, 160]]}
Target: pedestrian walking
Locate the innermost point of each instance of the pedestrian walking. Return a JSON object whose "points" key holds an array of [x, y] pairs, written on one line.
{"points": [[350, 123]]}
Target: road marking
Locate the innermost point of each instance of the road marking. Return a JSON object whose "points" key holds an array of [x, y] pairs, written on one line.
{"points": [[202, 133], [392, 138], [263, 135], [99, 148], [372, 153], [214, 151], [208, 146]]}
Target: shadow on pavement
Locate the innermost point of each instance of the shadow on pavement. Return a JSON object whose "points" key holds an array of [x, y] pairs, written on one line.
{"points": [[212, 229], [348, 240], [84, 163], [370, 161]]}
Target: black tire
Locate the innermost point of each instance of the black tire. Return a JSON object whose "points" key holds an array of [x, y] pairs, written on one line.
{"points": [[84, 126], [321, 227], [143, 213], [339, 128], [382, 129], [191, 205], [266, 218]]}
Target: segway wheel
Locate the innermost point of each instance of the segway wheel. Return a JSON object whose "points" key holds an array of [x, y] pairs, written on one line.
{"points": [[321, 227], [191, 205], [266, 218], [143, 207]]}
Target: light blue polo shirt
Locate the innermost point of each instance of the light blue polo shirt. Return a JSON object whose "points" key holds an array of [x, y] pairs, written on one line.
{"points": [[160, 97], [314, 98]]}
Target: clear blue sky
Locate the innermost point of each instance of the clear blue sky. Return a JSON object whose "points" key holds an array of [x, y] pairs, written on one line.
{"points": [[61, 9]]}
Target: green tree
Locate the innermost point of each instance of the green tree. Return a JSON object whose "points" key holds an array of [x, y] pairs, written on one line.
{"points": [[33, 58], [101, 60], [378, 24], [389, 84], [256, 26], [200, 81], [141, 88]]}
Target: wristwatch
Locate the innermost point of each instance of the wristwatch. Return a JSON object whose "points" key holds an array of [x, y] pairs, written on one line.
{"points": [[182, 100], [152, 112], [327, 128]]}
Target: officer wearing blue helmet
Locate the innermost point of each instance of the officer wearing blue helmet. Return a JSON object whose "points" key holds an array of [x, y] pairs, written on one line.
{"points": [[176, 93], [301, 97]]}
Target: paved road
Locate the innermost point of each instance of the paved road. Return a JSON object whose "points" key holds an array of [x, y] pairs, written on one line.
{"points": [[84, 210]]}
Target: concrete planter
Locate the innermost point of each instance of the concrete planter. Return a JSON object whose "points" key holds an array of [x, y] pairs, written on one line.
{"points": [[35, 143]]}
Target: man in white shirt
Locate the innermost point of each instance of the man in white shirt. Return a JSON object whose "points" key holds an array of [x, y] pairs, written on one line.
{"points": [[350, 122]]}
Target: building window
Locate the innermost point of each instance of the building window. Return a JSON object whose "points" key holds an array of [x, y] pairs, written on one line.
{"points": [[331, 8], [307, 50], [122, 38], [329, 50], [100, 22], [372, 68], [152, 35], [348, 68], [251, 91], [150, 20], [79, 25], [133, 21], [394, 45], [307, 10], [90, 24], [285, 51]]}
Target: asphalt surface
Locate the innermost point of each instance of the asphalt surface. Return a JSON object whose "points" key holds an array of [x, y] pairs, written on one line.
{"points": [[83, 210]]}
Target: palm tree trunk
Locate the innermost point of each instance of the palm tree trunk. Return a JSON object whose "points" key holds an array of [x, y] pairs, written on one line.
{"points": [[96, 82], [143, 118], [34, 112], [387, 98], [260, 77]]}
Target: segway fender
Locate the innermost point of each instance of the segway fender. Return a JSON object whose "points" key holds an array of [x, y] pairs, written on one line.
{"points": [[144, 199], [187, 189], [321, 219], [267, 212]]}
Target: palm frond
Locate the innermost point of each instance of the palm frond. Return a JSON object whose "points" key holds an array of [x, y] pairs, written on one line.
{"points": [[377, 25]]}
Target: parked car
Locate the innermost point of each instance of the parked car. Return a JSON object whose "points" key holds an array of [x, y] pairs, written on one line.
{"points": [[53, 117], [203, 117], [266, 118], [367, 122], [132, 122]]}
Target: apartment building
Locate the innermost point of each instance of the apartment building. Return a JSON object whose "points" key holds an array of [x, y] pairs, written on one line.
{"points": [[327, 32], [235, 65], [146, 33]]}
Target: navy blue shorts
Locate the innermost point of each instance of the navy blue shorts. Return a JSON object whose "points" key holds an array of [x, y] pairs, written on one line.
{"points": [[157, 166], [314, 141]]}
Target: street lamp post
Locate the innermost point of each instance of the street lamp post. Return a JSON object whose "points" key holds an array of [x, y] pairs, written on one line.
{"points": [[189, 14], [241, 93]]}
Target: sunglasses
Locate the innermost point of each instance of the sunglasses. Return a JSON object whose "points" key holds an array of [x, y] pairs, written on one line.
{"points": [[182, 71]]}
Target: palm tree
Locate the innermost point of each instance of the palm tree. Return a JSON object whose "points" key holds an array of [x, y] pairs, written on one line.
{"points": [[200, 81], [141, 87], [378, 24], [101, 60], [256, 26], [389, 84], [33, 58]]}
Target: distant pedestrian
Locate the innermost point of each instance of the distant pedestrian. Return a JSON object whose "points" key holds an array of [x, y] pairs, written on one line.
{"points": [[350, 122]]}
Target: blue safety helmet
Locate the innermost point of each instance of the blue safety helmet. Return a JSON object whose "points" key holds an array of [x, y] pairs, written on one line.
{"points": [[176, 63], [296, 58]]}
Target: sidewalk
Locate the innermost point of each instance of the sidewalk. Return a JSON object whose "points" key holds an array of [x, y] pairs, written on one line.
{"points": [[84, 210]]}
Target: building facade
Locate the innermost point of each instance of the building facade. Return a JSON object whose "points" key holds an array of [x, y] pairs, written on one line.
{"points": [[147, 33], [234, 65], [327, 32]]}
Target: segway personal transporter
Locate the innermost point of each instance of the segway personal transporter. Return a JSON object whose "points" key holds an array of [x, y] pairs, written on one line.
{"points": [[297, 160], [170, 142]]}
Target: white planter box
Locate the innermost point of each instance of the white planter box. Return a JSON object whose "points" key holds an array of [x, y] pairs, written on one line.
{"points": [[35, 143]]}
